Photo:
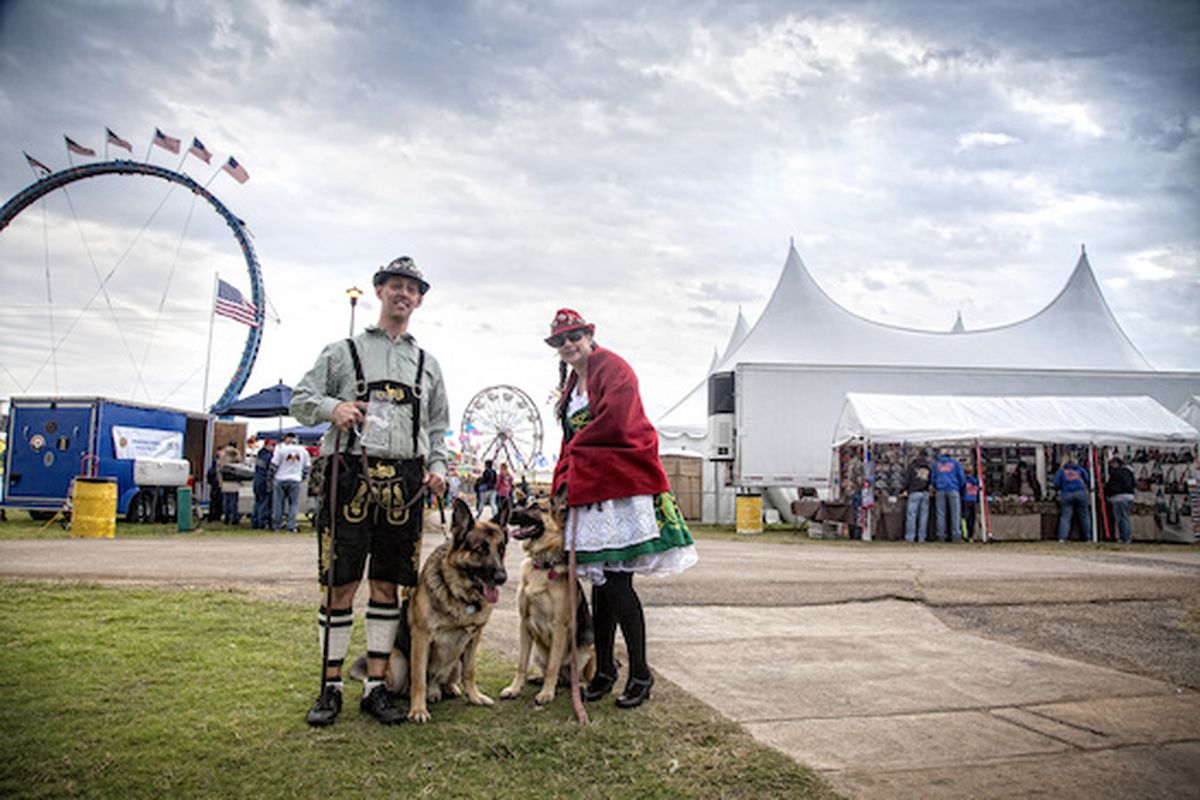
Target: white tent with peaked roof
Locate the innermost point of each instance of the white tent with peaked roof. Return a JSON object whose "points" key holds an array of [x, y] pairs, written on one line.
{"points": [[818, 351]]}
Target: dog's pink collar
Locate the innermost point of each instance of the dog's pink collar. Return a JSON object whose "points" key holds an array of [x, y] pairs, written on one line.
{"points": [[550, 564]]}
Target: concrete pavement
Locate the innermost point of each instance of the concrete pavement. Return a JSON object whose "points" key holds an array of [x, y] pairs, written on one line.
{"points": [[834, 654]]}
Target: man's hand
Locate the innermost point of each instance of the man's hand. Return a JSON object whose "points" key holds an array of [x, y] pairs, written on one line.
{"points": [[436, 483], [346, 415]]}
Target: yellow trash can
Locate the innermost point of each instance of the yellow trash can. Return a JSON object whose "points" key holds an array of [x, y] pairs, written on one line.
{"points": [[749, 513], [94, 509]]}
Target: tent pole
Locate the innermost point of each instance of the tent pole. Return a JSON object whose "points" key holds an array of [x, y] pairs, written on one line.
{"points": [[1092, 492], [1103, 500], [983, 499]]}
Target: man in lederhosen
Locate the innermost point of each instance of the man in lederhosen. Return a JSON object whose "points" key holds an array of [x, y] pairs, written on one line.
{"points": [[386, 396]]}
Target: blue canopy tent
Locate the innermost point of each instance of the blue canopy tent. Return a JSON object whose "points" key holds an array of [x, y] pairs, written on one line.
{"points": [[274, 401], [306, 434]]}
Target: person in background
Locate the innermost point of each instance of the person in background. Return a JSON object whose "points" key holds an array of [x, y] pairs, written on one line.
{"points": [[1119, 490], [1021, 482], [485, 488], [260, 518], [623, 519], [970, 500], [290, 465], [948, 480], [1072, 482], [916, 511], [854, 492], [504, 485], [230, 456]]}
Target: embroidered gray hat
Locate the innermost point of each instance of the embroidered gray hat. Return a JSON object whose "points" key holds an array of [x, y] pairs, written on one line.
{"points": [[404, 266]]}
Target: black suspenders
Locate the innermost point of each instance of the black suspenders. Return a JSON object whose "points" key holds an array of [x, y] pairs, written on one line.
{"points": [[362, 391]]}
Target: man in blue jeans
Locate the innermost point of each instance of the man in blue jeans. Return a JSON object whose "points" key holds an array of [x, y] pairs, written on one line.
{"points": [[1072, 483], [290, 464], [916, 483], [948, 482], [1120, 488]]}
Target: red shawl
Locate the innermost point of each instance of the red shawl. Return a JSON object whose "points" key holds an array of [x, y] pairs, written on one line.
{"points": [[616, 454]]}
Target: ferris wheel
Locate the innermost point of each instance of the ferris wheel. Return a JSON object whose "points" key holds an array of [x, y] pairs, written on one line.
{"points": [[503, 424], [125, 303]]}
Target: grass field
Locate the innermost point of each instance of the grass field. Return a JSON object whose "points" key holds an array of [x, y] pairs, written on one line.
{"points": [[156, 693]]}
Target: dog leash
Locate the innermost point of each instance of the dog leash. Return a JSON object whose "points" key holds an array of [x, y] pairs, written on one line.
{"points": [[572, 583]]}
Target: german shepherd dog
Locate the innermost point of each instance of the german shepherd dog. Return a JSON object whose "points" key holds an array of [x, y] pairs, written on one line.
{"points": [[543, 604], [439, 636]]}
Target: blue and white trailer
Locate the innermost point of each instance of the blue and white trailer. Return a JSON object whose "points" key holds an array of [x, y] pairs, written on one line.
{"points": [[147, 449]]}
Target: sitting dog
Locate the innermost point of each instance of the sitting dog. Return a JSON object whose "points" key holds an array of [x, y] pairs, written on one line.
{"points": [[543, 603], [445, 614]]}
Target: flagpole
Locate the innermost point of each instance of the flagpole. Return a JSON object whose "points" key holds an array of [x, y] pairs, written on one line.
{"points": [[212, 316]]}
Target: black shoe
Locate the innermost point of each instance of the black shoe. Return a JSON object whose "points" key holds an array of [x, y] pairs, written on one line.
{"points": [[326, 709], [598, 686], [637, 691], [380, 706]]}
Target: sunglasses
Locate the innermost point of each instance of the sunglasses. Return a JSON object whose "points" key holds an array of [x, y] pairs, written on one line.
{"points": [[563, 338]]}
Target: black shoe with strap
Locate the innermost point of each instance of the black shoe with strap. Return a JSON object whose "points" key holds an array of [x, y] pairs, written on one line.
{"points": [[326, 709], [637, 691], [379, 705], [600, 685]]}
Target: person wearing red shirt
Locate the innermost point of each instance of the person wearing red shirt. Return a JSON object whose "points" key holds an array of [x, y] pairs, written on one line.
{"points": [[623, 518]]}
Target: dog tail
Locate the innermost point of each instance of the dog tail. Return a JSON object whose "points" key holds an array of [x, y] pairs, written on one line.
{"points": [[358, 670]]}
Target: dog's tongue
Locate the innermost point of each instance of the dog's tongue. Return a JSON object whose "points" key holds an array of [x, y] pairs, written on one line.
{"points": [[492, 593]]}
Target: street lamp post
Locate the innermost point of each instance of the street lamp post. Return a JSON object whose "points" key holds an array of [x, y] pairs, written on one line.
{"points": [[353, 293]]}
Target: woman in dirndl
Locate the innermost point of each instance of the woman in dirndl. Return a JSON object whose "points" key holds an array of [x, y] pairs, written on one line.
{"points": [[622, 514]]}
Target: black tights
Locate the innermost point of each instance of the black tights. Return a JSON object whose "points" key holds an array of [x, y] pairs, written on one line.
{"points": [[616, 603]]}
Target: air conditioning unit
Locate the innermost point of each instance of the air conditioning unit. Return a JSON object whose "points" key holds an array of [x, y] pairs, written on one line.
{"points": [[720, 416]]}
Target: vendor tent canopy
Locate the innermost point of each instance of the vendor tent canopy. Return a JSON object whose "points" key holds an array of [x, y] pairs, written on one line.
{"points": [[936, 419]]}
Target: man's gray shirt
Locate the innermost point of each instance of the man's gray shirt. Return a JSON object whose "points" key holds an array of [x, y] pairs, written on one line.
{"points": [[332, 381]]}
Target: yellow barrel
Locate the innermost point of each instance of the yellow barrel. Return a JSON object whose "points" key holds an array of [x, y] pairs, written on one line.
{"points": [[94, 513], [749, 513]]}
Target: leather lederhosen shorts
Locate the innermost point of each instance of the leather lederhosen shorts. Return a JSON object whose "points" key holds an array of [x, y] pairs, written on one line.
{"points": [[376, 519]]}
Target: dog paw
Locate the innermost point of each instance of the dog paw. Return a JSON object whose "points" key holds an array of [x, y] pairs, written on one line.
{"points": [[544, 698], [480, 700], [418, 716], [433, 696], [510, 692]]}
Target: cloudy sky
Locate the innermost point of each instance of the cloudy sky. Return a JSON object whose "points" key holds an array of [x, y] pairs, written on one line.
{"points": [[646, 164]]}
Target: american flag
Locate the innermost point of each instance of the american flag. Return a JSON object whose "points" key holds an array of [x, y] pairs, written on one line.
{"points": [[77, 148], [41, 169], [199, 150], [169, 143], [230, 303], [236, 170], [117, 141]]}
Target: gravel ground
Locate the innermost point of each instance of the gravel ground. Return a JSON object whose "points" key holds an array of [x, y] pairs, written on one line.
{"points": [[1159, 639]]}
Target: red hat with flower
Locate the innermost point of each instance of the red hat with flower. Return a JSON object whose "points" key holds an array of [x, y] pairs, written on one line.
{"points": [[568, 319]]}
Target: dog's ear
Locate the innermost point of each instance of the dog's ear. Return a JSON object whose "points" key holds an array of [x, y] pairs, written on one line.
{"points": [[461, 521], [503, 513]]}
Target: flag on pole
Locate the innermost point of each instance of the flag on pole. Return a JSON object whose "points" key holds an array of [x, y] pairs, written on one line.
{"points": [[77, 148], [169, 143], [230, 303], [236, 170], [117, 141], [41, 169], [200, 151]]}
